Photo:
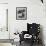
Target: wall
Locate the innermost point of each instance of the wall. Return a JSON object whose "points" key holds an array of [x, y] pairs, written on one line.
{"points": [[3, 1]]}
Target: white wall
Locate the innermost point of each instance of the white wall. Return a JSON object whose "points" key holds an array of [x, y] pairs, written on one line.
{"points": [[3, 1]]}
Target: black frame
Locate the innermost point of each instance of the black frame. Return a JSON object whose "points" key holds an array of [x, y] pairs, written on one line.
{"points": [[25, 15]]}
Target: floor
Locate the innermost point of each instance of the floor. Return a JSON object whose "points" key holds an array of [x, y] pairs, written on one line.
{"points": [[27, 44], [5, 44], [23, 44]]}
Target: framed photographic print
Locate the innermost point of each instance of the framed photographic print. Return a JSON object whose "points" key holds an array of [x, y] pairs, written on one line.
{"points": [[21, 13]]}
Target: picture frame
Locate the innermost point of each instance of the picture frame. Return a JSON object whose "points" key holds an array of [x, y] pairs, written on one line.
{"points": [[21, 13]]}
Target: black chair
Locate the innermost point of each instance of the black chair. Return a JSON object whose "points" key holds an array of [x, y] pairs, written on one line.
{"points": [[32, 29]]}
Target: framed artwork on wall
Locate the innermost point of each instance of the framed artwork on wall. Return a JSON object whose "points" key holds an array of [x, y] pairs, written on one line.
{"points": [[21, 13]]}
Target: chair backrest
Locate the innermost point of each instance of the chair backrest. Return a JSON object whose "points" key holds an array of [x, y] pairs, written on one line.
{"points": [[33, 28]]}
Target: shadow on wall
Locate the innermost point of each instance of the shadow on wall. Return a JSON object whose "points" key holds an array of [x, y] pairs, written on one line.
{"points": [[41, 34]]}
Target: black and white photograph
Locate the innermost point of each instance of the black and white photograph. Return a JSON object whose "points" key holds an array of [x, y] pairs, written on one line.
{"points": [[22, 22], [21, 13]]}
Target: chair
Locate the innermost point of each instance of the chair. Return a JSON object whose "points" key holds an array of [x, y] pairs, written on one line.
{"points": [[33, 30]]}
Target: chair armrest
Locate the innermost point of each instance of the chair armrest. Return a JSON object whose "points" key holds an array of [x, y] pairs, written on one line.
{"points": [[24, 32], [22, 35]]}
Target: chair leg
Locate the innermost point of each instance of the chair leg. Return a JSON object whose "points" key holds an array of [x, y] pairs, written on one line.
{"points": [[32, 42], [20, 42]]}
